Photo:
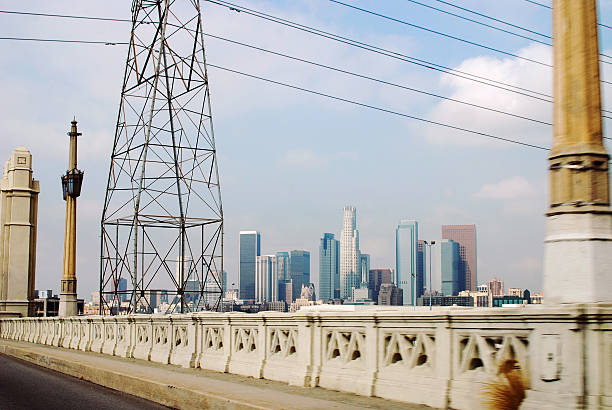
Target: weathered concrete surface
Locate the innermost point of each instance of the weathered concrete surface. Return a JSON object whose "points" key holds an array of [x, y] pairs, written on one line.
{"points": [[183, 388]]}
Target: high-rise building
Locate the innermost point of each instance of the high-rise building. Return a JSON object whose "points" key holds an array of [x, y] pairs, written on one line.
{"points": [[421, 278], [299, 270], [465, 236], [266, 279], [495, 287], [282, 264], [365, 270], [390, 295], [329, 267], [377, 278], [250, 249], [450, 263], [350, 259], [406, 239]]}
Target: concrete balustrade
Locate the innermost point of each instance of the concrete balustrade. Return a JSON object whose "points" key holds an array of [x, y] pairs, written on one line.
{"points": [[448, 357]]}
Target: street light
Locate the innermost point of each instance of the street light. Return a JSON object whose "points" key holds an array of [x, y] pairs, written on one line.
{"points": [[430, 244]]}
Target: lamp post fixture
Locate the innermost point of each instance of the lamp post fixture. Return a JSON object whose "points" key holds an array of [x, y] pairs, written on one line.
{"points": [[429, 245], [71, 189]]}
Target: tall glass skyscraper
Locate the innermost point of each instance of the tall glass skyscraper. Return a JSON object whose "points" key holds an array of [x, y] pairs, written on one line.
{"points": [[449, 263], [329, 267], [282, 263], [299, 270], [465, 236], [406, 239], [350, 259], [250, 249], [421, 278], [365, 270]]}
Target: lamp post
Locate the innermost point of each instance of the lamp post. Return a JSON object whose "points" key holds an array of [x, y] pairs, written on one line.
{"points": [[71, 189], [429, 245]]}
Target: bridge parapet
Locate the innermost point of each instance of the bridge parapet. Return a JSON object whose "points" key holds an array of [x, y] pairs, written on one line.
{"points": [[447, 357]]}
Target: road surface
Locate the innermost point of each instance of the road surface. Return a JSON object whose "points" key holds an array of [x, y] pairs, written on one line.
{"points": [[24, 385]]}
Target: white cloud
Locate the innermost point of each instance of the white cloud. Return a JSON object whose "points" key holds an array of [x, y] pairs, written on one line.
{"points": [[513, 71], [510, 188]]}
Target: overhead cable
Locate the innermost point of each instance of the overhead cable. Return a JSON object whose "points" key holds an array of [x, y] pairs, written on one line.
{"points": [[473, 43], [345, 40], [346, 100]]}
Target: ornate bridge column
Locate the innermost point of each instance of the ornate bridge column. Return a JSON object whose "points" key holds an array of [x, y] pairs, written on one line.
{"points": [[578, 251], [71, 186]]}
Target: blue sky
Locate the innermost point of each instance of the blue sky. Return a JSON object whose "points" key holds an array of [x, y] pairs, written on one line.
{"points": [[290, 161]]}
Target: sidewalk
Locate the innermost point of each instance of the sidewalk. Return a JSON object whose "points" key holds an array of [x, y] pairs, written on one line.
{"points": [[181, 388]]}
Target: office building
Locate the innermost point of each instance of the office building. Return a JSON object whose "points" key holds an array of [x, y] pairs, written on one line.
{"points": [[450, 265], [377, 278], [266, 279], [421, 278], [282, 265], [350, 259], [515, 292], [390, 295], [285, 290], [365, 270], [406, 239], [250, 249], [299, 270], [465, 236], [495, 287], [329, 267]]}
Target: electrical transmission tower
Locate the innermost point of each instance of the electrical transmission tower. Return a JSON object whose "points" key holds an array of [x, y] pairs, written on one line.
{"points": [[162, 223]]}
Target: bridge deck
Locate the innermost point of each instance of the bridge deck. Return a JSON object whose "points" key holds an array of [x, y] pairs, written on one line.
{"points": [[183, 388]]}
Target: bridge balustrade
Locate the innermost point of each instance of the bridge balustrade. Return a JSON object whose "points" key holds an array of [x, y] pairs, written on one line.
{"points": [[448, 357]]}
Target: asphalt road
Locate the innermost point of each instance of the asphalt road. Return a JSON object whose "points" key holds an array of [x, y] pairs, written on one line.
{"points": [[24, 385]]}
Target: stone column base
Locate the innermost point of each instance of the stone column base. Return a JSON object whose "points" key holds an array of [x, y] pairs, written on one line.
{"points": [[68, 305], [578, 258]]}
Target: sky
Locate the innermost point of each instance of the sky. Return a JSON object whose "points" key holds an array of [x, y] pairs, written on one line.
{"points": [[290, 161]]}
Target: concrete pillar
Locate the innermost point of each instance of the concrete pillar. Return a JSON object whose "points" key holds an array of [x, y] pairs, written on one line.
{"points": [[18, 217], [578, 250]]}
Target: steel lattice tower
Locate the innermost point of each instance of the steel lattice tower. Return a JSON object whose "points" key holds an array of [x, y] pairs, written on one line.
{"points": [[162, 223]]}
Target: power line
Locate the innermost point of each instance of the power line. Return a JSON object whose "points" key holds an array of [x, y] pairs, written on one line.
{"points": [[346, 100], [550, 8], [344, 40], [51, 40], [473, 43], [538, 4], [492, 18], [336, 69], [295, 58], [388, 53], [317, 93], [481, 23]]}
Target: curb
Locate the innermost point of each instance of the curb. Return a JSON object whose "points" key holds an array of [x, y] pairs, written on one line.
{"points": [[168, 395]]}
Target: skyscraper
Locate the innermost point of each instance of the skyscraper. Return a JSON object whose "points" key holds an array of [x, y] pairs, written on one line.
{"points": [[421, 278], [329, 267], [406, 239], [282, 264], [465, 236], [365, 269], [299, 270], [450, 263], [250, 249], [266, 279], [350, 260]]}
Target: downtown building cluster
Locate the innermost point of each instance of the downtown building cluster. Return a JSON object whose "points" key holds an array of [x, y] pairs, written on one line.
{"points": [[345, 274]]}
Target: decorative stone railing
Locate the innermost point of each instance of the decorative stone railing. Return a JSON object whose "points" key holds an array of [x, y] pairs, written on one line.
{"points": [[444, 358]]}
